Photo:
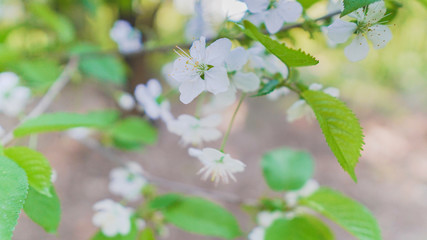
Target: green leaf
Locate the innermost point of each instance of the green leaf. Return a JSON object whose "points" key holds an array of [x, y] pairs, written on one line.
{"points": [[291, 57], [349, 214], [197, 215], [13, 192], [43, 210], [58, 23], [306, 4], [35, 165], [38, 74], [134, 130], [104, 67], [147, 234], [164, 201], [267, 88], [132, 235], [423, 2], [62, 121], [286, 169], [304, 227], [353, 5], [340, 127]]}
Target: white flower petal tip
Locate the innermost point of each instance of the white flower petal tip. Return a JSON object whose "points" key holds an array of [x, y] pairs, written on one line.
{"points": [[340, 31], [292, 197], [127, 181], [128, 39], [13, 98], [113, 218], [149, 97], [358, 49], [220, 167], [202, 69]]}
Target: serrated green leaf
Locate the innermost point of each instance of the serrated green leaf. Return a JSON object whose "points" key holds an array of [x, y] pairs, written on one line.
{"points": [[134, 130], [340, 127], [286, 169], [62, 121], [35, 165], [197, 215], [13, 192], [291, 57], [164, 201], [346, 212], [58, 23], [303, 227], [132, 235], [44, 210], [353, 5], [267, 88]]}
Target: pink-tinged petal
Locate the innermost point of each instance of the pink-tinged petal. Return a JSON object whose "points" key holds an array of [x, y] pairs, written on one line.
{"points": [[340, 31], [154, 87], [273, 20], [198, 49], [247, 82], [190, 90], [358, 49], [290, 10], [379, 35], [217, 80], [217, 52], [256, 6], [236, 59]]}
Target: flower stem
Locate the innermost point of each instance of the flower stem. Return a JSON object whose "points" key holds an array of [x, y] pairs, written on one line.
{"points": [[224, 140]]}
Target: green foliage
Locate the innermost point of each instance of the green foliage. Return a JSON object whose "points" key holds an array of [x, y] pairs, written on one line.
{"points": [[132, 235], [286, 169], [423, 2], [35, 165], [291, 57], [38, 74], [308, 3], [44, 210], [13, 192], [62, 121], [349, 214], [61, 25], [304, 227], [267, 88], [147, 234], [99, 65], [164, 201], [352, 5], [340, 127], [133, 131], [197, 215]]}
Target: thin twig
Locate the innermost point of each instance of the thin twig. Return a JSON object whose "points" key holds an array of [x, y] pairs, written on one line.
{"points": [[166, 183], [48, 98]]}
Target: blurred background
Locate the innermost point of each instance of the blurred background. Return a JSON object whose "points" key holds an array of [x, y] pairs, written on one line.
{"points": [[387, 91]]}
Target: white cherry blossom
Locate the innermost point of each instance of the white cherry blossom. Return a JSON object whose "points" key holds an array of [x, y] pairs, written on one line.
{"points": [[13, 98], [292, 197], [126, 101], [218, 165], [367, 27], [128, 39], [301, 109], [257, 233], [197, 26], [112, 218], [195, 131], [202, 69], [273, 13], [127, 181], [149, 96]]}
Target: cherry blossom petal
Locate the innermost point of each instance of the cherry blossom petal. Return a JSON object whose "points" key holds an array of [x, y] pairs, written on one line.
{"points": [[154, 87], [210, 134], [236, 59], [247, 82], [257, 18], [358, 49], [183, 70], [274, 20], [211, 121], [256, 6], [290, 10], [217, 52], [379, 35], [340, 31], [334, 92], [376, 12], [217, 80], [190, 90], [197, 50]]}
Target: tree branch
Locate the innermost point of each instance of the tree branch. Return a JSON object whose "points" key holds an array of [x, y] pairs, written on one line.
{"points": [[48, 98]]}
